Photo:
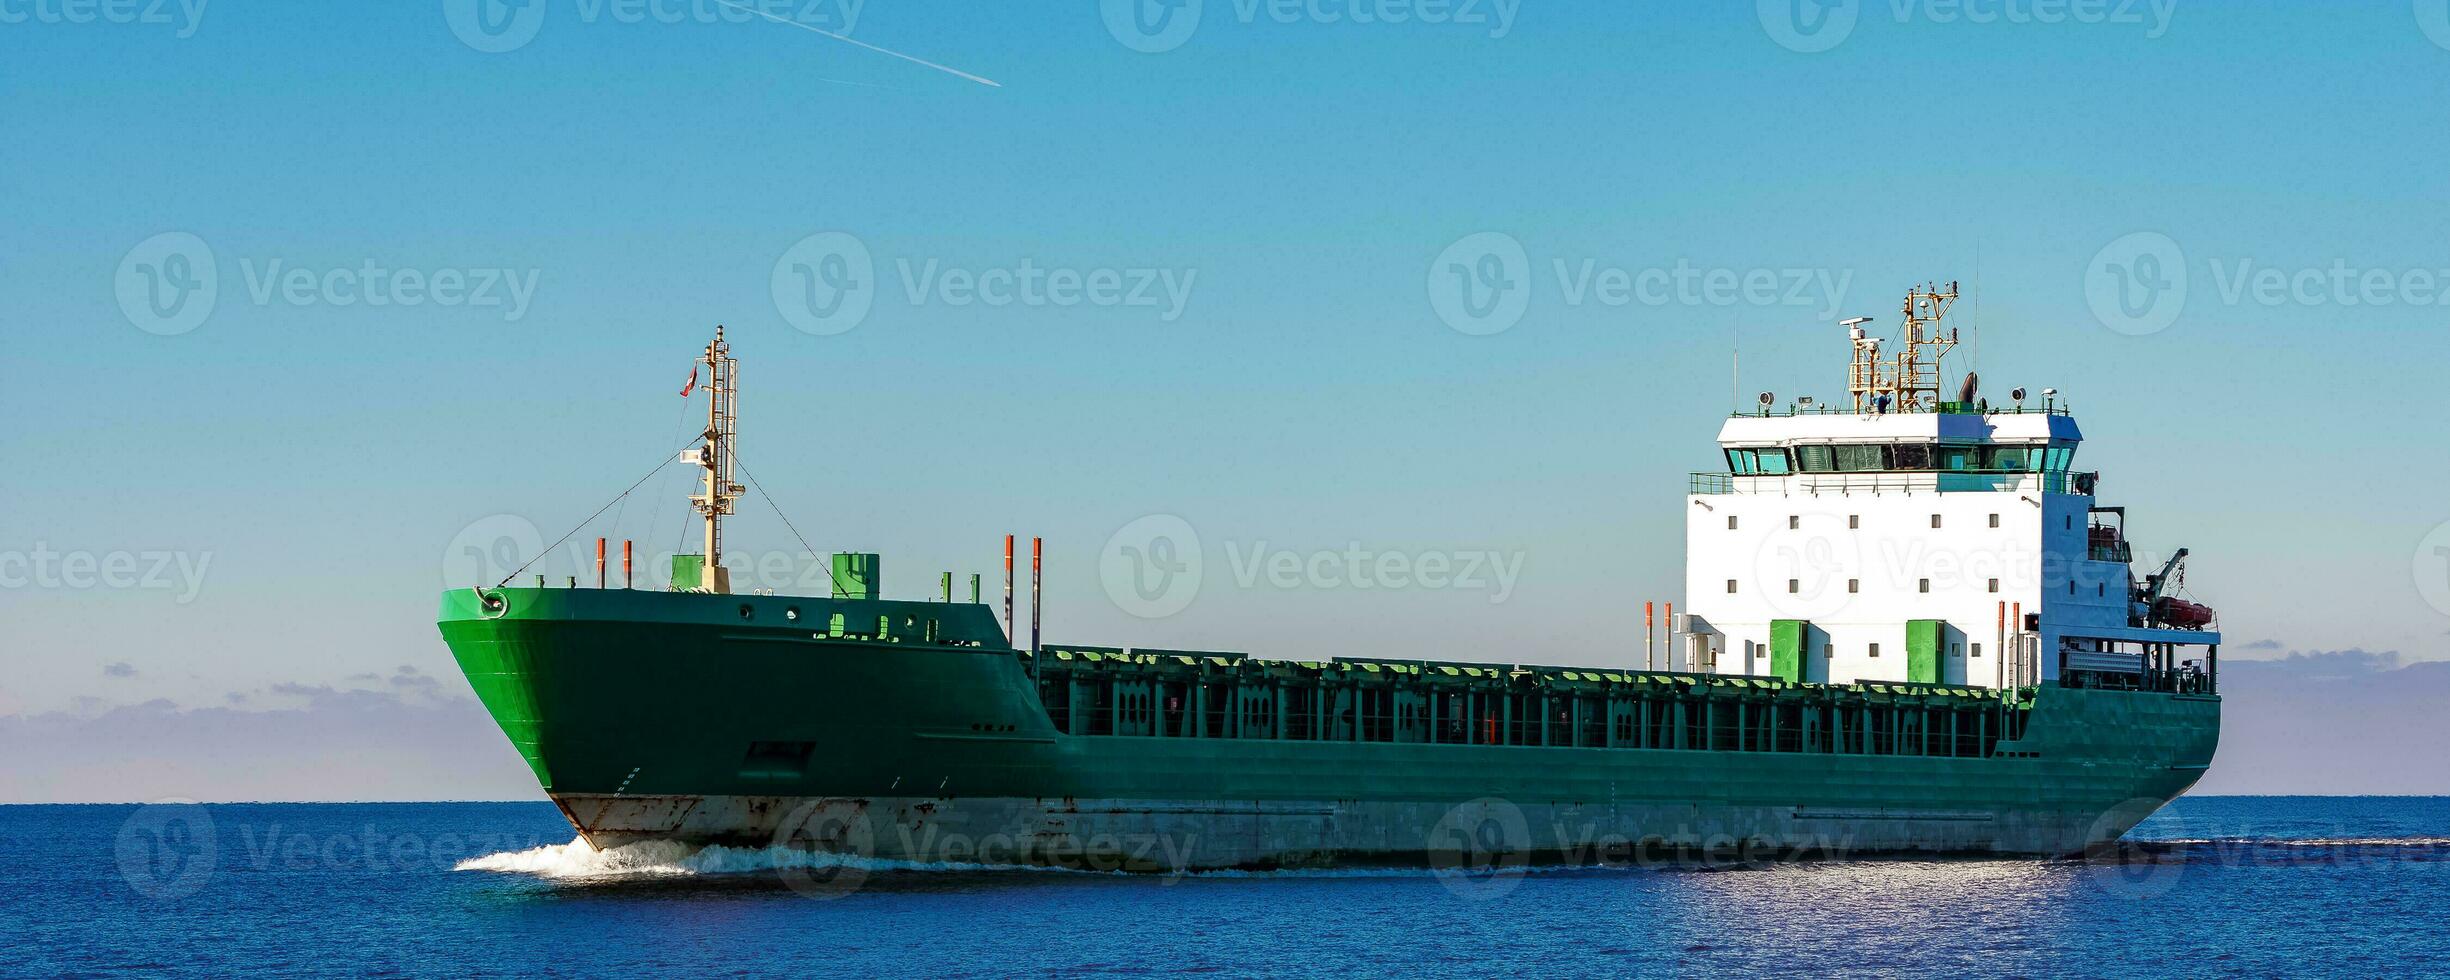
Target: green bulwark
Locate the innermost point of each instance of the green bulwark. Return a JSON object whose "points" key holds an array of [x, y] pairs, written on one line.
{"points": [[1786, 648], [688, 571], [856, 575], [1923, 640]]}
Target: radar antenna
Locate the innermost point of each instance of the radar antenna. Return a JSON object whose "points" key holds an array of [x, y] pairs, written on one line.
{"points": [[1903, 382]]}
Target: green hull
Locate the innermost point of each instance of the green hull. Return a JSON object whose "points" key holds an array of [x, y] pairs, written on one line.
{"points": [[754, 720]]}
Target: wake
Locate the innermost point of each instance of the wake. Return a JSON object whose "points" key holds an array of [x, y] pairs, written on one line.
{"points": [[579, 861]]}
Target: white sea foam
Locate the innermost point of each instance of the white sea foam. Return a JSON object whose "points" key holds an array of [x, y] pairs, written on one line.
{"points": [[648, 859]]}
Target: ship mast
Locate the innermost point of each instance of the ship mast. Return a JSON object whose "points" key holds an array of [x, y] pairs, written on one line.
{"points": [[1916, 370], [715, 457]]}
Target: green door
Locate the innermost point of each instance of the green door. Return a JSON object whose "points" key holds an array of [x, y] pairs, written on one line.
{"points": [[1786, 648], [1923, 638]]}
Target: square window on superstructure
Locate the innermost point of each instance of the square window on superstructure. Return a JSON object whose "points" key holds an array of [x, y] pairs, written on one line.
{"points": [[1935, 520], [1875, 650], [1793, 586], [1926, 585], [1977, 651], [1731, 522], [1994, 585], [1994, 520], [1793, 522], [1854, 585], [1956, 649], [1854, 522], [1730, 586]]}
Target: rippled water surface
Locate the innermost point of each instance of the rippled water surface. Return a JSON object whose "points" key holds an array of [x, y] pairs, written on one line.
{"points": [[2223, 885]]}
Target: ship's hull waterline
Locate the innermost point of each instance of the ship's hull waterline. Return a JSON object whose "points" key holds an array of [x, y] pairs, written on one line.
{"points": [[728, 720]]}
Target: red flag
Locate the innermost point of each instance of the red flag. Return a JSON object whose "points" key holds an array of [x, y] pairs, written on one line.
{"points": [[693, 382]]}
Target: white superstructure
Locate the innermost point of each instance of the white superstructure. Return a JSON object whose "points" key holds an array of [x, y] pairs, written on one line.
{"points": [[1907, 539]]}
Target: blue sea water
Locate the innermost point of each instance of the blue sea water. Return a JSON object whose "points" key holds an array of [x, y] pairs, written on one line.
{"points": [[2253, 886]]}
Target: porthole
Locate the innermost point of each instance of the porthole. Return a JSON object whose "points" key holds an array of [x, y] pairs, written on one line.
{"points": [[792, 614], [748, 611]]}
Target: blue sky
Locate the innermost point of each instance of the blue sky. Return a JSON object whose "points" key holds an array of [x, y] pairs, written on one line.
{"points": [[624, 183]]}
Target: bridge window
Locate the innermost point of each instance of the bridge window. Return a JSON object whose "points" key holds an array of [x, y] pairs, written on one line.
{"points": [[1758, 462], [1859, 459]]}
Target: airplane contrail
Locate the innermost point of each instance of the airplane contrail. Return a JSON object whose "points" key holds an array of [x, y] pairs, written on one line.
{"points": [[847, 39]]}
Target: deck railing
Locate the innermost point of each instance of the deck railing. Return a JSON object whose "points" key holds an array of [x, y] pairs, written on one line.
{"points": [[1942, 481]]}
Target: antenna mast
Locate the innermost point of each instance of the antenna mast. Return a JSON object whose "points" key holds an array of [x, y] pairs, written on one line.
{"points": [[1916, 369], [715, 457]]}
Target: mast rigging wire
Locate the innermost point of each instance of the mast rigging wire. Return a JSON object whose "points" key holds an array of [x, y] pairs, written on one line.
{"points": [[599, 512]]}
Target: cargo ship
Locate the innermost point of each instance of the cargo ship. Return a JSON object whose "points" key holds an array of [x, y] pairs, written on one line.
{"points": [[1909, 627]]}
